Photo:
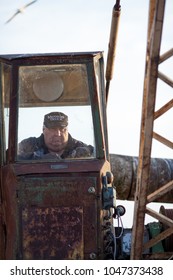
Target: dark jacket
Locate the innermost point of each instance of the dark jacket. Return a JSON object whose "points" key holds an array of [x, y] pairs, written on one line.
{"points": [[35, 148]]}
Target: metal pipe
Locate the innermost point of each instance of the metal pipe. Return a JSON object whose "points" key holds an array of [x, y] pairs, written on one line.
{"points": [[124, 169], [112, 44]]}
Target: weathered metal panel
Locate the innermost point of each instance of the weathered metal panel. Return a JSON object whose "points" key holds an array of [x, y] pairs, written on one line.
{"points": [[2, 237], [1, 222], [62, 206], [33, 201], [52, 233], [10, 216]]}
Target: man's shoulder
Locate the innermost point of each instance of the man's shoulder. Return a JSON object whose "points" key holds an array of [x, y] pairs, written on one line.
{"points": [[78, 148], [29, 141], [77, 143], [29, 144]]}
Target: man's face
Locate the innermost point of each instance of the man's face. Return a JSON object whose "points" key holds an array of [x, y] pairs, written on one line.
{"points": [[55, 138]]}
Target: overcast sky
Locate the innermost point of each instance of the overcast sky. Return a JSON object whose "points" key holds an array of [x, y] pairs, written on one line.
{"points": [[78, 25]]}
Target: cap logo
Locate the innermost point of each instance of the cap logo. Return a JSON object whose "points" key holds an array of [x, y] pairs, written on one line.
{"points": [[56, 118]]}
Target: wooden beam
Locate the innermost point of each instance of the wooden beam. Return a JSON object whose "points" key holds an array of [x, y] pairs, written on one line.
{"points": [[166, 55], [165, 79], [158, 238], [163, 109], [160, 192], [162, 218], [162, 140]]}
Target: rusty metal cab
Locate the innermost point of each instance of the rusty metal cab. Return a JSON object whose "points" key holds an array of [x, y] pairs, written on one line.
{"points": [[54, 209]]}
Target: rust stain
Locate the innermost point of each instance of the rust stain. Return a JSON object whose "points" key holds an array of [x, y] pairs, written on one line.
{"points": [[52, 233]]}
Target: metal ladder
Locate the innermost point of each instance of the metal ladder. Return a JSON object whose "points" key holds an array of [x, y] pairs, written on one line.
{"points": [[152, 74]]}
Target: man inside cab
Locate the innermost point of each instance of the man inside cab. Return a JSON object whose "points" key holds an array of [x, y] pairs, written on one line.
{"points": [[55, 142]]}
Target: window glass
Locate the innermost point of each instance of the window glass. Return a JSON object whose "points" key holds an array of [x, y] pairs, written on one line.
{"points": [[5, 89], [54, 91]]}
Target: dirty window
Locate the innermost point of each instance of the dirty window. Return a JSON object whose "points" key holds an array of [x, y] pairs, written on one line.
{"points": [[54, 102]]}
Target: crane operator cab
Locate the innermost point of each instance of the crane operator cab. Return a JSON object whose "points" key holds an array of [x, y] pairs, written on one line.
{"points": [[56, 183]]}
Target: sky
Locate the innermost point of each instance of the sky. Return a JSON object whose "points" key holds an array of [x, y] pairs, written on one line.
{"points": [[76, 25]]}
